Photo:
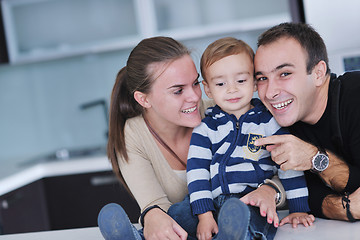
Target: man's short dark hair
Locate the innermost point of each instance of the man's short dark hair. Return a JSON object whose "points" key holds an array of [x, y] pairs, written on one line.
{"points": [[306, 35]]}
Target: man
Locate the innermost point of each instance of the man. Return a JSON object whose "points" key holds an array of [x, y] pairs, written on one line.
{"points": [[320, 109]]}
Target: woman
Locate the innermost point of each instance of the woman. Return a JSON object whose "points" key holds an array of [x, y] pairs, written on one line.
{"points": [[155, 104]]}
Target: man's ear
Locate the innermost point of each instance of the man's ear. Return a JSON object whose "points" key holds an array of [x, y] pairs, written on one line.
{"points": [[141, 98], [207, 89], [319, 72]]}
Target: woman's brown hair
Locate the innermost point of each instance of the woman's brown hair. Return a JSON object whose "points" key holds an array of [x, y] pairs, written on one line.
{"points": [[136, 76]]}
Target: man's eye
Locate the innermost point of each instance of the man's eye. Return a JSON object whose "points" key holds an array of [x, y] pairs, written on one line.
{"points": [[285, 74]]}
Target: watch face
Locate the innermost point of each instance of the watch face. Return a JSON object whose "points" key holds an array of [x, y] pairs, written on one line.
{"points": [[321, 162]]}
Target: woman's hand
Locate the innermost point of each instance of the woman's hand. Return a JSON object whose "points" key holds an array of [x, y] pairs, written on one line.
{"points": [[264, 198], [207, 226], [298, 218], [159, 225]]}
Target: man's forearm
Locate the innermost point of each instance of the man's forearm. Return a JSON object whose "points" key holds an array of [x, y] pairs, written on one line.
{"points": [[333, 209], [337, 174], [333, 206]]}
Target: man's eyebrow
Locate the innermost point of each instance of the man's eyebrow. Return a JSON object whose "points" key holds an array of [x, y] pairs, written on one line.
{"points": [[277, 68]]}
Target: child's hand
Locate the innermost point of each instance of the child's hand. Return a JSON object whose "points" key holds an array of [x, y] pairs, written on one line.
{"points": [[298, 218], [206, 227]]}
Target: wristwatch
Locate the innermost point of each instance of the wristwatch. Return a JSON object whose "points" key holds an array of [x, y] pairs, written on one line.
{"points": [[320, 161]]}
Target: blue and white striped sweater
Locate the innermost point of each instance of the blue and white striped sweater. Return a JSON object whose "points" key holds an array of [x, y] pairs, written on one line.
{"points": [[222, 150]]}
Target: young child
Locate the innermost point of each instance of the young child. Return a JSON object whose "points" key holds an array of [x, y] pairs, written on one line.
{"points": [[223, 162]]}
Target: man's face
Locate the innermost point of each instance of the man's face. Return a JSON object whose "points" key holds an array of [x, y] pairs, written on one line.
{"points": [[283, 83]]}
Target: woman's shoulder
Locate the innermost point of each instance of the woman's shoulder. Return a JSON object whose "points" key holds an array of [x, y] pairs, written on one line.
{"points": [[205, 104], [135, 127]]}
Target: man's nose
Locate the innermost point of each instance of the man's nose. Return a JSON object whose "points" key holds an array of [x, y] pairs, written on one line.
{"points": [[273, 89]]}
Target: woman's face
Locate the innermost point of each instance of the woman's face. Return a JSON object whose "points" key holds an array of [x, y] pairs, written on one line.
{"points": [[175, 95]]}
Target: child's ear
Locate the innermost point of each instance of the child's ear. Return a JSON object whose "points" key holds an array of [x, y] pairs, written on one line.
{"points": [[142, 99], [207, 89], [255, 86]]}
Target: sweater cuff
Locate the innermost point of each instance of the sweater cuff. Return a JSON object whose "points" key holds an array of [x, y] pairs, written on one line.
{"points": [[298, 205], [202, 206]]}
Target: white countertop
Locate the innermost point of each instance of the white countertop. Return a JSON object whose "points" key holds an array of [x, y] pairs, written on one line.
{"points": [[50, 169], [322, 229]]}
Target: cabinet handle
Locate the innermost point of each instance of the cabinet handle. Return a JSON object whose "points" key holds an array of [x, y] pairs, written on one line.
{"points": [[4, 204], [103, 180]]}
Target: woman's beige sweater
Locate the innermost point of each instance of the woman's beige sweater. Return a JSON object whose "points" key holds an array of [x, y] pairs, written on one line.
{"points": [[148, 175]]}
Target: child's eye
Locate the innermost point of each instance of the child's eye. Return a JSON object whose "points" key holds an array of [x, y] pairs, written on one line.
{"points": [[241, 81], [219, 84]]}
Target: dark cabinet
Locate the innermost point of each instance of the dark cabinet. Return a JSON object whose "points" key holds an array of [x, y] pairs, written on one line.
{"points": [[24, 210], [3, 47], [63, 202]]}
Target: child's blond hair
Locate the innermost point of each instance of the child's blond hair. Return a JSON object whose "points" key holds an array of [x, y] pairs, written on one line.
{"points": [[221, 48]]}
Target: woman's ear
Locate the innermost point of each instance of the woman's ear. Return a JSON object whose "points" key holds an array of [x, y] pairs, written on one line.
{"points": [[320, 73], [141, 98]]}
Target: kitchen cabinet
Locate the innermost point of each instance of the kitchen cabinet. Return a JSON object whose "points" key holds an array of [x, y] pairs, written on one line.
{"points": [[3, 50], [24, 210], [38, 30], [63, 202]]}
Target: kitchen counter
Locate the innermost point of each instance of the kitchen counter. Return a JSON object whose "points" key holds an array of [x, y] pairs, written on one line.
{"points": [[322, 229], [16, 178]]}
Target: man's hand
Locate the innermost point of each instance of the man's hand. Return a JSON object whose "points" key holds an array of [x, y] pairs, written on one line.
{"points": [[289, 151], [298, 218], [206, 227], [264, 198]]}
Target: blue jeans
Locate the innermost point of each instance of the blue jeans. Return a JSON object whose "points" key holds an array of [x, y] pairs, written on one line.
{"points": [[258, 228]]}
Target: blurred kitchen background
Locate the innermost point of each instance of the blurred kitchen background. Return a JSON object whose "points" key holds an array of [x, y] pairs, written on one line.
{"points": [[59, 59], [66, 53], [62, 54]]}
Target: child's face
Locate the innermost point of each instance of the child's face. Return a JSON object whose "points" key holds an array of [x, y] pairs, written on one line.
{"points": [[230, 82]]}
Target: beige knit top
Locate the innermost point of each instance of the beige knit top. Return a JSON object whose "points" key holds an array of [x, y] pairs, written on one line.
{"points": [[148, 175]]}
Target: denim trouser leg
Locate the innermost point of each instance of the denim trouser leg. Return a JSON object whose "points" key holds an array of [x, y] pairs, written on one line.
{"points": [[182, 214], [258, 226]]}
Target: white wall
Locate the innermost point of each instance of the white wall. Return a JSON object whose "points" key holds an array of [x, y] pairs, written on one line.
{"points": [[337, 21]]}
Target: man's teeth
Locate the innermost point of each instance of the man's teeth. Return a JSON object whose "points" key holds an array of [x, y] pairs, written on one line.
{"points": [[189, 110], [282, 105]]}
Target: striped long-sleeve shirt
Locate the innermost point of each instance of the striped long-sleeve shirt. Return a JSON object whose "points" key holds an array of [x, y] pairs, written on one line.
{"points": [[223, 159]]}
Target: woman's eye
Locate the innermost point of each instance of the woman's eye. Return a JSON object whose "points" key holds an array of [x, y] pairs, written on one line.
{"points": [[178, 92]]}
